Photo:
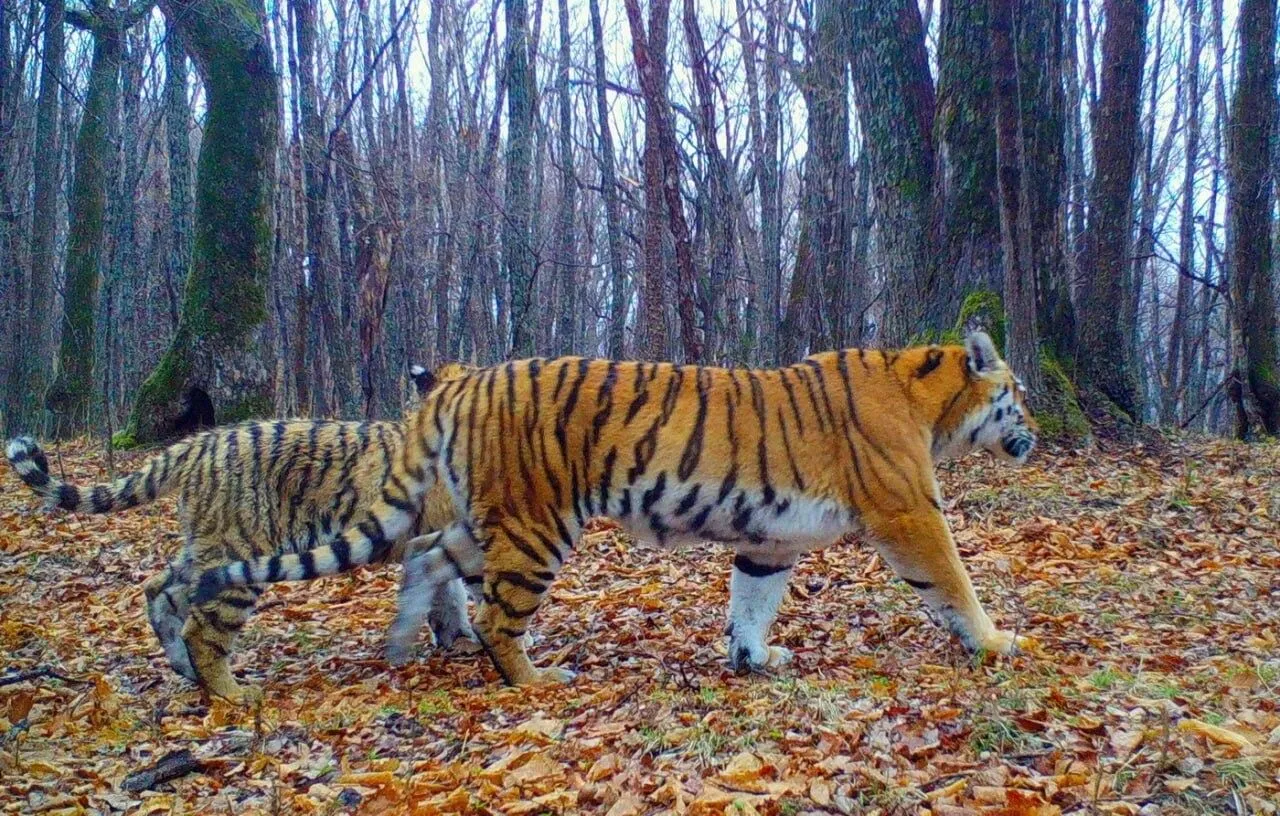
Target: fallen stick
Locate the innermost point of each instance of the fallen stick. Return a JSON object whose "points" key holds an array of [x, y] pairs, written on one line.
{"points": [[169, 767], [36, 674]]}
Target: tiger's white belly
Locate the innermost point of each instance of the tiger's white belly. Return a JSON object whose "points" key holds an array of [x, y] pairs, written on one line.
{"points": [[792, 522]]}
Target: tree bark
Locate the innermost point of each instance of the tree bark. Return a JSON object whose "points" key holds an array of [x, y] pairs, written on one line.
{"points": [[31, 378], [1022, 346], [609, 181], [651, 342], [517, 239], [218, 344], [177, 112], [1177, 370], [1105, 345], [895, 98], [71, 395], [1249, 206], [825, 279], [965, 195], [567, 274]]}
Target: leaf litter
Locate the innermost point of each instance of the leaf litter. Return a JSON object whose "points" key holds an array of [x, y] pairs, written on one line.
{"points": [[1145, 579]]}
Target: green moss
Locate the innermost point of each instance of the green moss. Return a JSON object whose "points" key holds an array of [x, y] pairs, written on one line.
{"points": [[1059, 414], [985, 307], [123, 440], [249, 408]]}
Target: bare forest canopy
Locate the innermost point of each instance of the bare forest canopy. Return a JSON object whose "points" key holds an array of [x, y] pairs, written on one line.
{"points": [[278, 208]]}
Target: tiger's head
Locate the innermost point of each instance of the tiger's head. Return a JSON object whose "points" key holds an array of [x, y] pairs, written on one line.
{"points": [[990, 411]]}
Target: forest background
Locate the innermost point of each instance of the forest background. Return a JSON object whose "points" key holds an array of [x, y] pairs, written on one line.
{"points": [[740, 182]]}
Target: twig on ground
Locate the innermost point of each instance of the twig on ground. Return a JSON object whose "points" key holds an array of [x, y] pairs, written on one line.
{"points": [[171, 766], [36, 674]]}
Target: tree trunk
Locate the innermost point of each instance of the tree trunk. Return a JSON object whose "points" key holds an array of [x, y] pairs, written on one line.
{"points": [[71, 395], [651, 341], [895, 98], [517, 239], [965, 196], [609, 181], [218, 345], [720, 180], [1105, 345], [1177, 371], [177, 112], [25, 412], [567, 274], [1249, 207], [1022, 347], [825, 277]]}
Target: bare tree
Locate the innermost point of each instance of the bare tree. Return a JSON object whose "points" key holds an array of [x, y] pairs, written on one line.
{"points": [[609, 181], [895, 98], [517, 237], [1255, 383], [1105, 347]]}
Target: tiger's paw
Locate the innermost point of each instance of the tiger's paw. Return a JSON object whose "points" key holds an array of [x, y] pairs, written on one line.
{"points": [[399, 653], [238, 694], [1000, 642], [553, 676], [744, 658]]}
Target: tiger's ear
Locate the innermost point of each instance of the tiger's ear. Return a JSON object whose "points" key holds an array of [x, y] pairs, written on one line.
{"points": [[423, 380], [983, 357]]}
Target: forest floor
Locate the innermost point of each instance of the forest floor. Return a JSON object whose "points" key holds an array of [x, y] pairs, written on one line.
{"points": [[1146, 578]]}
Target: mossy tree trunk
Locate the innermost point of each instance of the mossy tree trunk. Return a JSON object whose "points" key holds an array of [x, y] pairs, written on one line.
{"points": [[1105, 343], [1249, 206], [218, 346], [71, 394]]}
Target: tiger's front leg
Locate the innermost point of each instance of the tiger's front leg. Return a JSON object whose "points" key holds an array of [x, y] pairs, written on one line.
{"points": [[919, 547], [755, 592]]}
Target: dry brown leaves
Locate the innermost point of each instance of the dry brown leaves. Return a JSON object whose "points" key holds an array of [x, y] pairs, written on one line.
{"points": [[1148, 583]]}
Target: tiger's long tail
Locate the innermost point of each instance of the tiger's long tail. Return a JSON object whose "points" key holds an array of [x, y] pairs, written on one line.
{"points": [[153, 480], [366, 542]]}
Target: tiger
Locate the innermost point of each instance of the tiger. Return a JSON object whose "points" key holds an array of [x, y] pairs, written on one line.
{"points": [[771, 462], [241, 488]]}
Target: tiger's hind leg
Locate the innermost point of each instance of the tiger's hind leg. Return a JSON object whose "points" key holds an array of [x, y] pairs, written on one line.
{"points": [[211, 627], [521, 561], [919, 548], [432, 590], [756, 590], [167, 595]]}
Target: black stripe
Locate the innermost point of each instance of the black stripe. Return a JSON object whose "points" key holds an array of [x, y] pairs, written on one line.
{"points": [[689, 500], [920, 585], [755, 569], [693, 448], [653, 494], [932, 359]]}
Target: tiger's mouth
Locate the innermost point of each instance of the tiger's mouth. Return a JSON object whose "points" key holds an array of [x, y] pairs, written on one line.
{"points": [[1018, 446]]}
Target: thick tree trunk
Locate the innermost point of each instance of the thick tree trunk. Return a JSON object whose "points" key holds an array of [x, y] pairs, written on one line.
{"points": [[25, 410], [969, 243], [895, 98], [218, 347], [1022, 347], [71, 395], [609, 181], [517, 238], [1105, 342], [1249, 206]]}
